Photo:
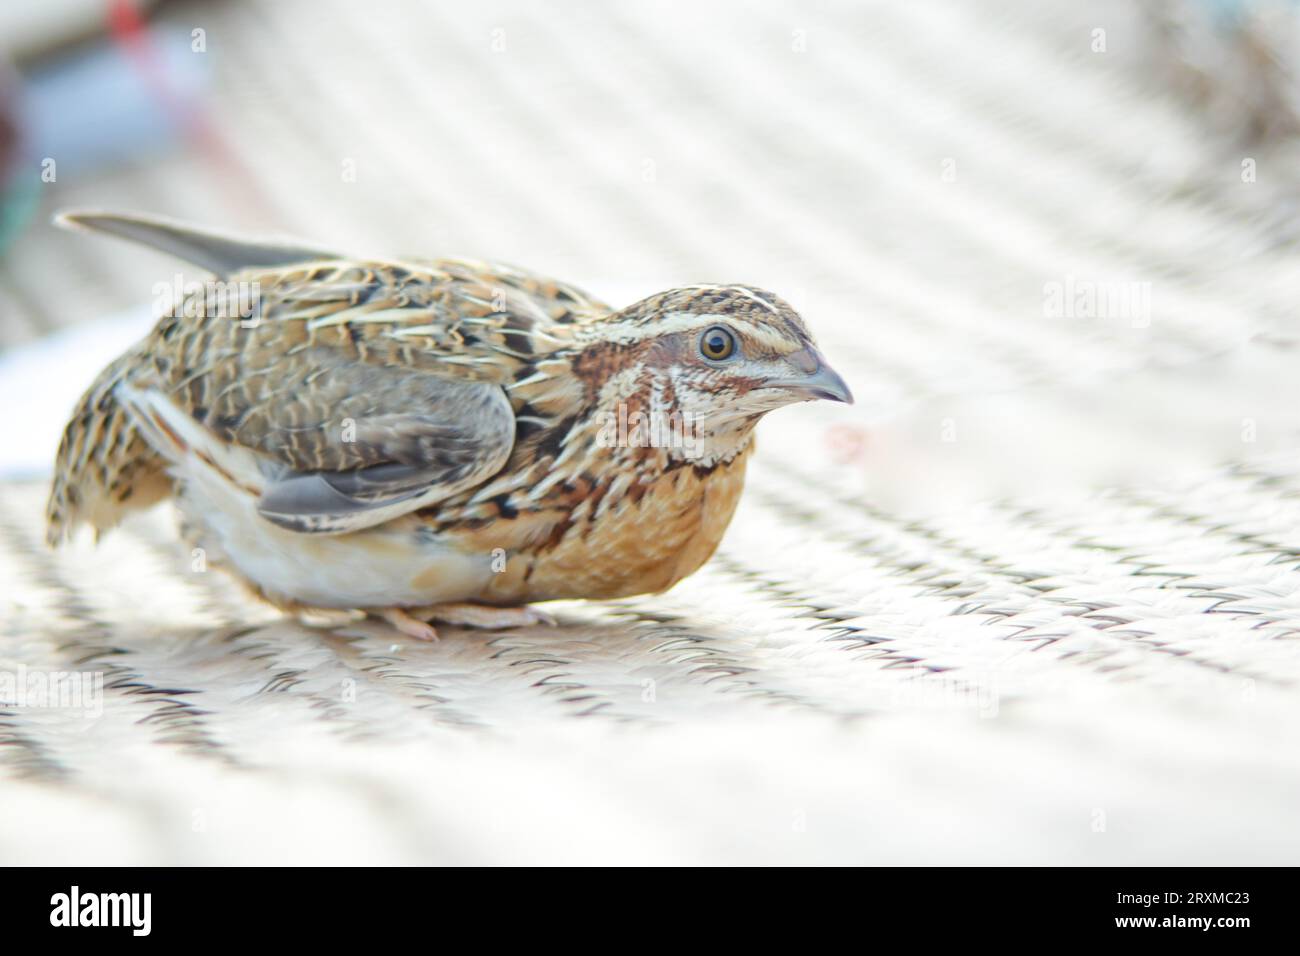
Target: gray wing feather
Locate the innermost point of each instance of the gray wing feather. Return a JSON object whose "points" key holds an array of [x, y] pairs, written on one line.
{"points": [[428, 438], [331, 503]]}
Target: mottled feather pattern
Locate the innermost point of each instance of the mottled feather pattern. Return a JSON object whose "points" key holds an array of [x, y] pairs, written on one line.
{"points": [[104, 465], [373, 431], [331, 343]]}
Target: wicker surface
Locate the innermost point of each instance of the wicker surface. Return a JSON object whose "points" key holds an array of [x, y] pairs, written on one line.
{"points": [[1035, 599]]}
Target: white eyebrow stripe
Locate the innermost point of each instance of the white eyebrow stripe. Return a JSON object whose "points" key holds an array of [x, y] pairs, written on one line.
{"points": [[668, 322], [740, 289]]}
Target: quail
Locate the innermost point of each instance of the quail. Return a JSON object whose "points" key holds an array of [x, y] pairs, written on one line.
{"points": [[430, 439]]}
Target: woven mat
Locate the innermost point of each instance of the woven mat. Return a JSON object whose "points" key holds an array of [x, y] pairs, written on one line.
{"points": [[1035, 599]]}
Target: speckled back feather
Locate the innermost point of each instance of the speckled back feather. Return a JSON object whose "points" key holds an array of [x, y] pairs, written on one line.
{"points": [[331, 342]]}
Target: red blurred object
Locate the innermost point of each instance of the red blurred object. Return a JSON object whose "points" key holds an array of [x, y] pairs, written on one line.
{"points": [[847, 443], [130, 32]]}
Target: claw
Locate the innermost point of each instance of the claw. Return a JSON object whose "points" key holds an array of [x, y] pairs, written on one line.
{"points": [[542, 617], [408, 625]]}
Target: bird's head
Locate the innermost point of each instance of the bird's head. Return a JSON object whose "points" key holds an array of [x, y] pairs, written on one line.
{"points": [[716, 358]]}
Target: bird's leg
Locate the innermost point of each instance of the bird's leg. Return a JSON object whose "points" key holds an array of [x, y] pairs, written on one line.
{"points": [[329, 618], [413, 621], [326, 617], [408, 624], [485, 616]]}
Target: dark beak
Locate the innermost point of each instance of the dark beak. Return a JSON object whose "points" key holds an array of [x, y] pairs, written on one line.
{"points": [[814, 378]]}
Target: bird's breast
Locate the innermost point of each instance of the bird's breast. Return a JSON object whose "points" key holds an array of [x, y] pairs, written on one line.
{"points": [[641, 540]]}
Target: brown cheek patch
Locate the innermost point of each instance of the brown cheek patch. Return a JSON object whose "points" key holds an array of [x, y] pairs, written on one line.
{"points": [[744, 386], [683, 349], [595, 365], [669, 350]]}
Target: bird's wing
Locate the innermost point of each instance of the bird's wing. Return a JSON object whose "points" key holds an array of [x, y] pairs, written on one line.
{"points": [[329, 444], [363, 444], [362, 397], [362, 389]]}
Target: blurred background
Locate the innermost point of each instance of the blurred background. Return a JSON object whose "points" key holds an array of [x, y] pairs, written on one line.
{"points": [[919, 181], [1051, 246]]}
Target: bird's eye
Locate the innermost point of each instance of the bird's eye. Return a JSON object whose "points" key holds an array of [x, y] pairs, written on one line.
{"points": [[717, 344]]}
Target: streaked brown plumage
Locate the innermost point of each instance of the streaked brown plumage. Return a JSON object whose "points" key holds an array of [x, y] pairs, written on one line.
{"points": [[392, 434]]}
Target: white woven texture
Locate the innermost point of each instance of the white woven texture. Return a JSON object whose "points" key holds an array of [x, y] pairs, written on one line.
{"points": [[1034, 599]]}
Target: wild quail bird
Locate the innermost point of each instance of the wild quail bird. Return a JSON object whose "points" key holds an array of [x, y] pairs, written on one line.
{"points": [[431, 439]]}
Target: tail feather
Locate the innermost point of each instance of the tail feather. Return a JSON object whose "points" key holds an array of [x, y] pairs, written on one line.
{"points": [[104, 466], [217, 252]]}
